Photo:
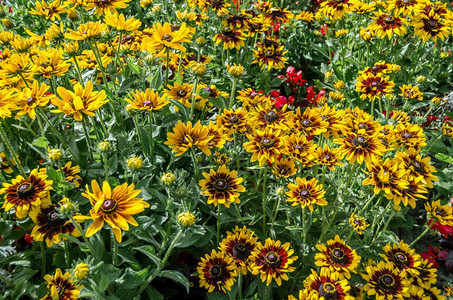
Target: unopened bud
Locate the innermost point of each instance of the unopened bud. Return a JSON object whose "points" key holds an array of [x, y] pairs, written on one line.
{"points": [[186, 219], [134, 163]]}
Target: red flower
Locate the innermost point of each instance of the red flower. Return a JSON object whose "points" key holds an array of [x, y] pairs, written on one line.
{"points": [[430, 256], [323, 30], [310, 93], [443, 229], [28, 239], [429, 120]]}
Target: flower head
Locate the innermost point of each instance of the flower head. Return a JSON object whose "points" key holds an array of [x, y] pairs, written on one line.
{"points": [[61, 286], [217, 272], [186, 218], [81, 271], [186, 136]]}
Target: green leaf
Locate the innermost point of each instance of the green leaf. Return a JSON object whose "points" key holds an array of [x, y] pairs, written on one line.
{"points": [[177, 277], [149, 251], [180, 106], [126, 84], [103, 283], [41, 142], [71, 239], [445, 158]]}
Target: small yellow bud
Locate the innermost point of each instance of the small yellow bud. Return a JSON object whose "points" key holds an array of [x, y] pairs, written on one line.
{"points": [[54, 154], [198, 69], [186, 218], [201, 41], [366, 34], [156, 9], [129, 109], [280, 191], [67, 207], [337, 96], [168, 178], [72, 14], [444, 55], [134, 163], [235, 71], [327, 75], [7, 23], [421, 78], [341, 32], [81, 271], [222, 13], [104, 146], [390, 97], [146, 3], [436, 100], [339, 85], [322, 100], [396, 68]]}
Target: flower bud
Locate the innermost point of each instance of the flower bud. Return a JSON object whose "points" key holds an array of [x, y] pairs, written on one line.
{"points": [[341, 32], [146, 3], [444, 55], [7, 23], [167, 178], [72, 14], [186, 219], [198, 69], [129, 109], [421, 78], [235, 71], [181, 192], [104, 146], [201, 41], [54, 154], [339, 85], [280, 191], [81, 271], [67, 208], [134, 163], [436, 100], [156, 9], [327, 75]]}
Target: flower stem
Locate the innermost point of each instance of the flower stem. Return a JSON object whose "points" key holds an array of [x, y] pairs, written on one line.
{"points": [[161, 265], [423, 233], [384, 229], [137, 128], [264, 201], [166, 67], [79, 73], [195, 165], [114, 250], [79, 228], [233, 90], [43, 259], [87, 138], [151, 150], [192, 103], [11, 150], [66, 253], [218, 223]]}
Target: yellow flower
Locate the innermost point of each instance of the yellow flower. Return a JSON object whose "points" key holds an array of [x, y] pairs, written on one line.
{"points": [[81, 101], [104, 146], [54, 154], [31, 98], [49, 10], [339, 85], [103, 6], [265, 145], [358, 223], [50, 63], [231, 38], [186, 136], [113, 206], [81, 271], [387, 25], [61, 286], [146, 3], [164, 38], [90, 30], [235, 71], [374, 86], [134, 163], [120, 23], [411, 92], [167, 178], [186, 219], [306, 193], [148, 100], [217, 271], [7, 23]]}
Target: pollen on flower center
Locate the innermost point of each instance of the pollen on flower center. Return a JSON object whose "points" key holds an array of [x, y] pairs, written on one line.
{"points": [[360, 141], [167, 37], [337, 256], [267, 142], [240, 251], [406, 135], [388, 20], [215, 271], [181, 93], [108, 205], [148, 102], [31, 101], [327, 290], [270, 116], [304, 194], [25, 190], [306, 122], [401, 259], [272, 258], [220, 184], [386, 282]]}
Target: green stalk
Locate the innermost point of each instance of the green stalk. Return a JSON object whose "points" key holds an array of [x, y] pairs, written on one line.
{"points": [[12, 152], [87, 139], [66, 253], [41, 128], [162, 264], [218, 223], [114, 250], [43, 259], [195, 165], [150, 121], [106, 166], [423, 233], [381, 231], [137, 128], [192, 103], [264, 201], [87, 242], [166, 68], [233, 90], [79, 73], [240, 285]]}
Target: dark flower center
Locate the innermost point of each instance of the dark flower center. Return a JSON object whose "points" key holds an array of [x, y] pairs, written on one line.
{"points": [[406, 1], [181, 93], [267, 142], [304, 194], [215, 271], [226, 30], [432, 23], [184, 141], [60, 290], [53, 220], [417, 166], [240, 251], [108, 205], [360, 141], [439, 213], [270, 116], [338, 256], [220, 184], [147, 102], [298, 147], [272, 258], [389, 20], [374, 83], [306, 122], [362, 126], [25, 190], [233, 119], [387, 282], [400, 259], [166, 37], [283, 171], [31, 101], [327, 157], [253, 94], [406, 135], [327, 290]]}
